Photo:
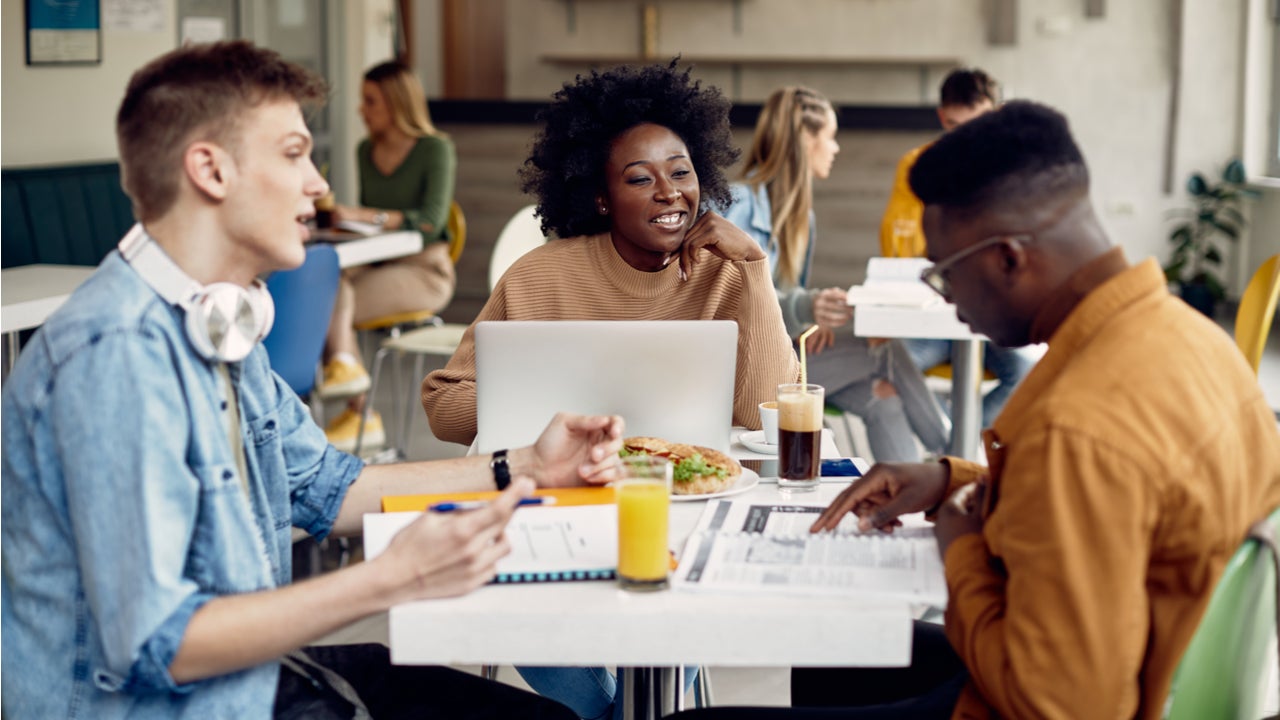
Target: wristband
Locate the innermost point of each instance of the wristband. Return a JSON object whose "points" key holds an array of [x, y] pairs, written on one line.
{"points": [[501, 472]]}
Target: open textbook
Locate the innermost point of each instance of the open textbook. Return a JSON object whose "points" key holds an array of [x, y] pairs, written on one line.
{"points": [[548, 544], [767, 548]]}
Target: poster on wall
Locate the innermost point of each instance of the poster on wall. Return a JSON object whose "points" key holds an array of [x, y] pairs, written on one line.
{"points": [[64, 32]]}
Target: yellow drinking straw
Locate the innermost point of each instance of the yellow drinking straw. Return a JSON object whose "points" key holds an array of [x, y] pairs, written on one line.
{"points": [[804, 337]]}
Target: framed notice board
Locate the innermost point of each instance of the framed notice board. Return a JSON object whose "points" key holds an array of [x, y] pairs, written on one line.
{"points": [[64, 32]]}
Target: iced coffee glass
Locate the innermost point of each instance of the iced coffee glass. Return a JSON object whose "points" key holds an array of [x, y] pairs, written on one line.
{"points": [[799, 435]]}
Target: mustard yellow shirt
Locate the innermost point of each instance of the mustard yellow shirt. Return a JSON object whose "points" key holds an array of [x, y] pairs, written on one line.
{"points": [[900, 232], [1123, 473]]}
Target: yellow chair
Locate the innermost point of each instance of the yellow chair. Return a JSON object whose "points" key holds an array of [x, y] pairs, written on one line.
{"points": [[396, 324], [1257, 310]]}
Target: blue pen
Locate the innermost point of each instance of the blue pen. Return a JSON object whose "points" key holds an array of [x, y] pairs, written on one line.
{"points": [[477, 504]]}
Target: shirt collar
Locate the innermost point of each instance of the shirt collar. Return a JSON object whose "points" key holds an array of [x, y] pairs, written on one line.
{"points": [[1067, 296]]}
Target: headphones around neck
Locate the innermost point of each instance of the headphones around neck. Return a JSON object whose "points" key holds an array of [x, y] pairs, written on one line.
{"points": [[224, 321]]}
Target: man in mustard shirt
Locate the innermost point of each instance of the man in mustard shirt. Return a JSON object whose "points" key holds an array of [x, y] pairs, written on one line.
{"points": [[1121, 476], [966, 94], [1124, 471]]}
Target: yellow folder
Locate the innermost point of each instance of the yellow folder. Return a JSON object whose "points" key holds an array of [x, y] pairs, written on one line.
{"points": [[563, 496]]}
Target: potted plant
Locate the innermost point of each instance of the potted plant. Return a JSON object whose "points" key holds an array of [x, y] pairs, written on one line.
{"points": [[1201, 233]]}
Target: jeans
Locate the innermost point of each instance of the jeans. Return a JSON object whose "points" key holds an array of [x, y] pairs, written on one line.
{"points": [[588, 691], [1009, 365], [848, 370]]}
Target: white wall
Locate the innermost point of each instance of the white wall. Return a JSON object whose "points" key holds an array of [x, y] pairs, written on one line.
{"points": [[66, 114], [1111, 76]]}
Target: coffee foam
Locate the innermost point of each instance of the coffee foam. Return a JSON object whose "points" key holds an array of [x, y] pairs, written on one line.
{"points": [[799, 412]]}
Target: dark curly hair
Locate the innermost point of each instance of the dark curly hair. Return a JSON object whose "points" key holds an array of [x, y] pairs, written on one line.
{"points": [[565, 168], [1022, 149]]}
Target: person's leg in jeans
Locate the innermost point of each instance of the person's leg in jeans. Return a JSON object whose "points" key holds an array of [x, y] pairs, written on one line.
{"points": [[588, 691], [1009, 365], [927, 353], [395, 692], [848, 371], [927, 419]]}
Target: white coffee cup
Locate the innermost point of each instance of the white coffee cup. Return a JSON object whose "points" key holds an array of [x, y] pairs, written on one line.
{"points": [[769, 421]]}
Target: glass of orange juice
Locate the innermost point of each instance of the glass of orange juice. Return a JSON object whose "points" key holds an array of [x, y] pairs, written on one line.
{"points": [[644, 499]]}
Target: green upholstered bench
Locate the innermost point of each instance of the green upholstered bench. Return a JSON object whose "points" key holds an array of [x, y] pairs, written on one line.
{"points": [[64, 215]]}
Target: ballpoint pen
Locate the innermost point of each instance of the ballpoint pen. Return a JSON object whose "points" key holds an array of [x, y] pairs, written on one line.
{"points": [[477, 504]]}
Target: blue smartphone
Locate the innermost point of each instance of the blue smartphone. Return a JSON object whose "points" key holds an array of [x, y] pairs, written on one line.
{"points": [[841, 467]]}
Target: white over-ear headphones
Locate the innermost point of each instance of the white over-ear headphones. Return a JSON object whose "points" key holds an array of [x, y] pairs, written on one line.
{"points": [[223, 320]]}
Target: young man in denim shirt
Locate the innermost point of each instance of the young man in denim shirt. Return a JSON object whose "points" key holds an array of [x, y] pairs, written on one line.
{"points": [[153, 465]]}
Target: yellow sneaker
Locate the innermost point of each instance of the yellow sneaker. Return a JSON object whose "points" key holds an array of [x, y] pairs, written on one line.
{"points": [[342, 431], [342, 379]]}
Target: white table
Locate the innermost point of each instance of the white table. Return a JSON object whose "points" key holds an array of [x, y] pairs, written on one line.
{"points": [[649, 634], [30, 294], [356, 250]]}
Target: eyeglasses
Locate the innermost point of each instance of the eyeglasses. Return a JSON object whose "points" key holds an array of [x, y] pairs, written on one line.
{"points": [[935, 275]]}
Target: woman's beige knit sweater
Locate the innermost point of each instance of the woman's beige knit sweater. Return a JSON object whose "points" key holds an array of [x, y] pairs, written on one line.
{"points": [[584, 278]]}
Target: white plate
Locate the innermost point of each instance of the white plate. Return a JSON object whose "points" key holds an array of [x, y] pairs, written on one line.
{"points": [[747, 480], [754, 441]]}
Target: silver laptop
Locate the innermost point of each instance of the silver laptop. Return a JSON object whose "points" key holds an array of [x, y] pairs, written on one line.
{"points": [[667, 378]]}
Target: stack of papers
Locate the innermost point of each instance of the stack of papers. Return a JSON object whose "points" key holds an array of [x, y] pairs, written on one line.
{"points": [[760, 548], [895, 282]]}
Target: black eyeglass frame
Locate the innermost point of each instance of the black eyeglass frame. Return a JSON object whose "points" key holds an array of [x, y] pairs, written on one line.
{"points": [[938, 282]]}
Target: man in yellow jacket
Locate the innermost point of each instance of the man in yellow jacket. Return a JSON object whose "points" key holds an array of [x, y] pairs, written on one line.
{"points": [[966, 93], [1120, 478]]}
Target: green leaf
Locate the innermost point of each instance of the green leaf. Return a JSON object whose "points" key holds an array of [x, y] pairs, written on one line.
{"points": [[1232, 214], [1196, 185], [1226, 228], [1215, 287], [1234, 172], [1212, 255], [1181, 234]]}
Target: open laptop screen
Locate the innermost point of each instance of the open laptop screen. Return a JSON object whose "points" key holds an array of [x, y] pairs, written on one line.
{"points": [[667, 378]]}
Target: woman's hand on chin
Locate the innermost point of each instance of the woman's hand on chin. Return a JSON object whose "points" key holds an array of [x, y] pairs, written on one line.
{"points": [[714, 233]]}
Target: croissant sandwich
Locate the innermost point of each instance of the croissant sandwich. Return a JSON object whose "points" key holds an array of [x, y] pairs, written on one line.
{"points": [[695, 470]]}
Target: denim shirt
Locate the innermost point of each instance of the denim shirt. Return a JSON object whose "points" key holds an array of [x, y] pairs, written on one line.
{"points": [[753, 214], [123, 512]]}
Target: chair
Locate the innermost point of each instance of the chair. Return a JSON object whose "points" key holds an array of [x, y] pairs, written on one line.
{"points": [[1222, 673], [1257, 310], [520, 235], [304, 303]]}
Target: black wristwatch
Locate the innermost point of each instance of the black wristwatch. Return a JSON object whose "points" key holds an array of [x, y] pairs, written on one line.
{"points": [[501, 472]]}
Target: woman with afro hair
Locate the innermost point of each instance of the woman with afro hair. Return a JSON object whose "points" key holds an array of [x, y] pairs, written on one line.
{"points": [[628, 172]]}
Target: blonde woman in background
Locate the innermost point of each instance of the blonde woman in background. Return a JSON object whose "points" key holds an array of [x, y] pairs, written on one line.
{"points": [[794, 143], [407, 174]]}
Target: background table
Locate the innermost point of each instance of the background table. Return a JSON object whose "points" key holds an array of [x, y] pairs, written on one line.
{"points": [[356, 250], [30, 294]]}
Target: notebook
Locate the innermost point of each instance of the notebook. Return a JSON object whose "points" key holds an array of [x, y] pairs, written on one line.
{"points": [[548, 544], [667, 378]]}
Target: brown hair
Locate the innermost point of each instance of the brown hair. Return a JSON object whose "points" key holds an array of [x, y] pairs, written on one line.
{"points": [[968, 87], [405, 96], [779, 160], [196, 92]]}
